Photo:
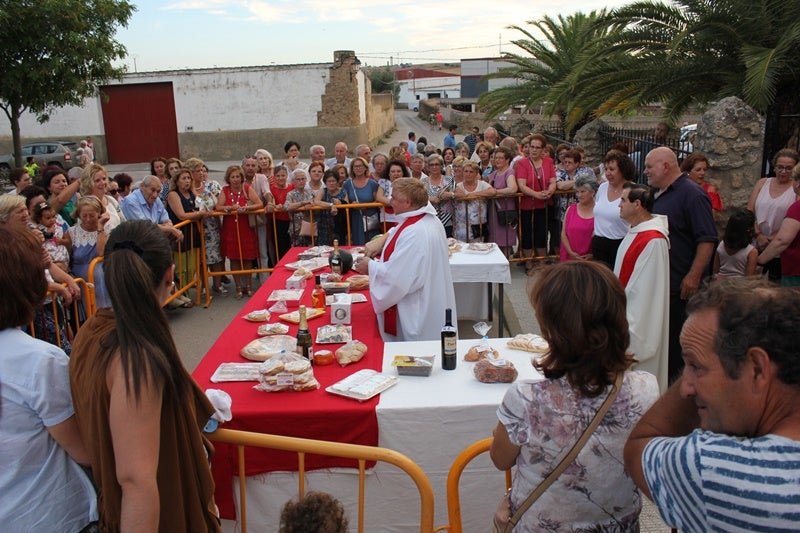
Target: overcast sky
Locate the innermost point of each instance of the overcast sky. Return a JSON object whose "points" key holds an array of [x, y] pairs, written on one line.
{"points": [[167, 34]]}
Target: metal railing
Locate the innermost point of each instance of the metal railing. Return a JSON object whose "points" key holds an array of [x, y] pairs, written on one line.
{"points": [[68, 316], [302, 447]]}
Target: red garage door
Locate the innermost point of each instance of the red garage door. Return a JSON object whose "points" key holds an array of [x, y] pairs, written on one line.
{"points": [[140, 122]]}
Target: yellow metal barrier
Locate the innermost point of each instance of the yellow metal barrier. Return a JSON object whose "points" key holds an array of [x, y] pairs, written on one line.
{"points": [[454, 477], [334, 449], [75, 310]]}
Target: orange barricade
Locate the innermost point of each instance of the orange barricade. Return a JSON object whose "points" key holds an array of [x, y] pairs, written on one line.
{"points": [[38, 329], [308, 446]]}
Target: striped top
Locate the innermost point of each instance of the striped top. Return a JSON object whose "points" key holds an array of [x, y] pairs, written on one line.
{"points": [[712, 482]]}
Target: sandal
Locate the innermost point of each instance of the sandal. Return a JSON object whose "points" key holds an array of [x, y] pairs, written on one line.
{"points": [[221, 290], [188, 304], [248, 290], [239, 294]]}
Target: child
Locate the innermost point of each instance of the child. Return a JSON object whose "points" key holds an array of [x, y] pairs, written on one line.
{"points": [[736, 256], [54, 240], [31, 167]]}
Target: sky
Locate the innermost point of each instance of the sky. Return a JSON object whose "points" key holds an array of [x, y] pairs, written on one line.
{"points": [[180, 34]]}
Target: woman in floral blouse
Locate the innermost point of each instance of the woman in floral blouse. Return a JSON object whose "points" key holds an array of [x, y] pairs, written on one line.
{"points": [[540, 421]]}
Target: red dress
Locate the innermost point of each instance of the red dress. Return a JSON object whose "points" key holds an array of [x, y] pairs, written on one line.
{"points": [[231, 236]]}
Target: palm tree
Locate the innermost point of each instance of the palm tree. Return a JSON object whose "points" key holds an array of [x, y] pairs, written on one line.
{"points": [[544, 72], [693, 52]]}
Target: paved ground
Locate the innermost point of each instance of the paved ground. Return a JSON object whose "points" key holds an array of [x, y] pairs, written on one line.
{"points": [[195, 330]]}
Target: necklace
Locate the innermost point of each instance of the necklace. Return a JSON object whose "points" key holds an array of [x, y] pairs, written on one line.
{"points": [[236, 197], [199, 187]]}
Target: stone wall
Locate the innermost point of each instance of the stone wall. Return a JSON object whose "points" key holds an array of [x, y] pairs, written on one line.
{"points": [[731, 135], [380, 116], [340, 100]]}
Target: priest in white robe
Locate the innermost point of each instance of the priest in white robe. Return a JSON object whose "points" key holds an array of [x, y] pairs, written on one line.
{"points": [[410, 285], [642, 267]]}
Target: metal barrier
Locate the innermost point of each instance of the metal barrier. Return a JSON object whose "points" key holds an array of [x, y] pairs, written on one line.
{"points": [[189, 260], [70, 316], [454, 477], [335, 449]]}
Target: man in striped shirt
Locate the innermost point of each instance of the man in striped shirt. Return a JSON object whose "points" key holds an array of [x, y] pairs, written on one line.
{"points": [[720, 451]]}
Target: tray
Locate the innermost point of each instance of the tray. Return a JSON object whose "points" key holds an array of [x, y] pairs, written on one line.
{"points": [[355, 298], [349, 336], [362, 385], [294, 316], [309, 264], [290, 296], [479, 248], [410, 365], [235, 372]]}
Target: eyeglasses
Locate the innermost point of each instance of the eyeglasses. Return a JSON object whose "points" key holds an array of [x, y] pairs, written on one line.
{"points": [[781, 168], [113, 191]]}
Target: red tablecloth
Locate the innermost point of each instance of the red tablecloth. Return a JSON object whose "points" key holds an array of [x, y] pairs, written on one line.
{"points": [[315, 415]]}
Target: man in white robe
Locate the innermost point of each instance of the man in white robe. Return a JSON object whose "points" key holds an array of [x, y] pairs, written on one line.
{"points": [[642, 267], [410, 285]]}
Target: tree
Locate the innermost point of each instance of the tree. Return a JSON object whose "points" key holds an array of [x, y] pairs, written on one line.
{"points": [[545, 74], [688, 52], [382, 80], [55, 53]]}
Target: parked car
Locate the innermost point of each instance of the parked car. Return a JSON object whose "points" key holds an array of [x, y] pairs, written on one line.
{"points": [[685, 140], [61, 153]]}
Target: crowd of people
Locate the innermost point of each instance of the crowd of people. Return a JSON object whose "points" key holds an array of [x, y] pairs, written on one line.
{"points": [[636, 264]]}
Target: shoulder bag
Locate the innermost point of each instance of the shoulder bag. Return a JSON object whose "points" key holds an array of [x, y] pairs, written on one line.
{"points": [[504, 521], [371, 222]]}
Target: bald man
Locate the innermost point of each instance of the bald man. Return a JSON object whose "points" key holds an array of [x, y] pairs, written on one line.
{"points": [[692, 235]]}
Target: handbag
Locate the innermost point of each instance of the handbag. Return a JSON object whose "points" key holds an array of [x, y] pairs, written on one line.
{"points": [[504, 521], [371, 222], [508, 217], [308, 229], [254, 220]]}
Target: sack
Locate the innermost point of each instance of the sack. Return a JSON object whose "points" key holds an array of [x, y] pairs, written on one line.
{"points": [[502, 515], [372, 222], [508, 218], [254, 220], [308, 229]]}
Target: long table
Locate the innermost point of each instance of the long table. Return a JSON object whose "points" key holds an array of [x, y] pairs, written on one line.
{"points": [[443, 418], [314, 415], [429, 419]]}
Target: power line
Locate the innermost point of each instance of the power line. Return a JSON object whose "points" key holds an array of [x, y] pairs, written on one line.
{"points": [[390, 54]]}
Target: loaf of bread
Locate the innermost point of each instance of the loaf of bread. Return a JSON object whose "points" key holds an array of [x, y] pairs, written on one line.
{"points": [[481, 351], [359, 282], [495, 371], [352, 352], [529, 342]]}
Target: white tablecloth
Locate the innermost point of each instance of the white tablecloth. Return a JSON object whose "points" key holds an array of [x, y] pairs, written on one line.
{"points": [[471, 272], [429, 419]]}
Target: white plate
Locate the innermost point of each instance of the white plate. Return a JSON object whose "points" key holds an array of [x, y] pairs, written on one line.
{"points": [[478, 248], [362, 385]]}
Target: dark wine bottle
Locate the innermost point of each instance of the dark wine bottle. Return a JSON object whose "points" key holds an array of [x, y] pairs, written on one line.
{"points": [[303, 335], [449, 340], [335, 260]]}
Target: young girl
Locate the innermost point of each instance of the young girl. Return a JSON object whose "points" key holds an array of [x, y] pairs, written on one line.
{"points": [[56, 242], [736, 256]]}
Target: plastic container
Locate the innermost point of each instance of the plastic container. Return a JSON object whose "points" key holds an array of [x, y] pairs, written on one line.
{"points": [[410, 365]]}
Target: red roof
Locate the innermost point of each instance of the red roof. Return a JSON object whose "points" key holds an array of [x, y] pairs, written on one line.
{"points": [[418, 73]]}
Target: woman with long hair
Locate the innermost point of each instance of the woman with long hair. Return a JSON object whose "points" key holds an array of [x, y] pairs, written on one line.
{"points": [[138, 409]]}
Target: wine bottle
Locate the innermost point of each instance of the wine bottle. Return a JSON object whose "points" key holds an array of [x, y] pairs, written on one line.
{"points": [[335, 260], [449, 339], [318, 294], [303, 335]]}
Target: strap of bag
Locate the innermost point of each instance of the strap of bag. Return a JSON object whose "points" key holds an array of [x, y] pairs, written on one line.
{"points": [[573, 453]]}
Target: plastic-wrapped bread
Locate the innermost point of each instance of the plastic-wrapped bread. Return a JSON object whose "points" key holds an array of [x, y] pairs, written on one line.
{"points": [[481, 351], [529, 342], [358, 282], [351, 352], [495, 371]]}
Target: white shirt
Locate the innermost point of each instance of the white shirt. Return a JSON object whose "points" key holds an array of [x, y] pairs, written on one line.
{"points": [[416, 278], [607, 222], [43, 488]]}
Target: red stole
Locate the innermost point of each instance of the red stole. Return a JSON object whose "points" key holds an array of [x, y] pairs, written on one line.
{"points": [[390, 315], [634, 251]]}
